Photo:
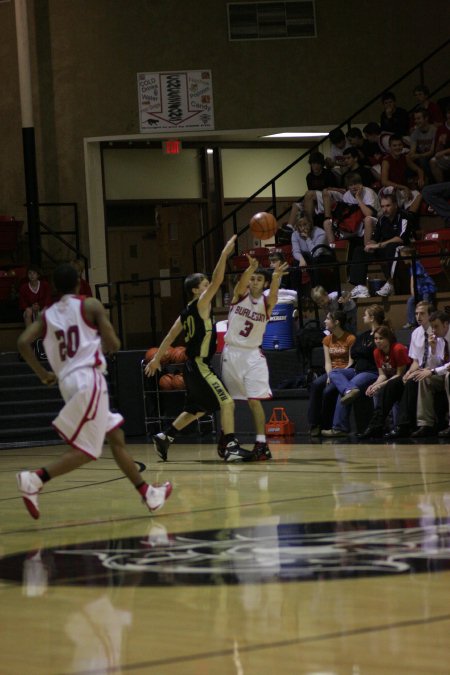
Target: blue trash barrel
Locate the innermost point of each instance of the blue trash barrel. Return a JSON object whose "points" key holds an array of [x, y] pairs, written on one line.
{"points": [[279, 332]]}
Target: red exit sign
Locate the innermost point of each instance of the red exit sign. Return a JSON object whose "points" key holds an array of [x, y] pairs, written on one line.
{"points": [[171, 147]]}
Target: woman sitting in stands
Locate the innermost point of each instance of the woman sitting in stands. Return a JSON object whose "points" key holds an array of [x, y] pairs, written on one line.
{"points": [[392, 361], [353, 382], [323, 394], [309, 246], [34, 296]]}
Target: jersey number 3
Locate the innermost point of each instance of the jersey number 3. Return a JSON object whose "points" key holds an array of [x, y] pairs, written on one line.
{"points": [[68, 343], [245, 332]]}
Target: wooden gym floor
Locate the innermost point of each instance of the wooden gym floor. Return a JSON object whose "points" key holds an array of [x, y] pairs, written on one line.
{"points": [[332, 559]]}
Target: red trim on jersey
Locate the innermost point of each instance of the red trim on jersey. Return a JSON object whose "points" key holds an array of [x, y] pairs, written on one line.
{"points": [[83, 315], [240, 298], [98, 361], [256, 398]]}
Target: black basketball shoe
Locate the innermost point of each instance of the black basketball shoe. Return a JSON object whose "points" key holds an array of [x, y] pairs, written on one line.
{"points": [[162, 445], [261, 451], [234, 453]]}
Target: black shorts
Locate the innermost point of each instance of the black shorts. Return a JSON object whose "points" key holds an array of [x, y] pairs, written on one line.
{"points": [[205, 392]]}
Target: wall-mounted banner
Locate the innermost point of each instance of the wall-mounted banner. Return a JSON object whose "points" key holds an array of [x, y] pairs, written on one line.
{"points": [[175, 100]]}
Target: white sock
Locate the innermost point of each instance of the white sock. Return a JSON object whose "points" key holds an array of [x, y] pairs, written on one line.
{"points": [[260, 438]]}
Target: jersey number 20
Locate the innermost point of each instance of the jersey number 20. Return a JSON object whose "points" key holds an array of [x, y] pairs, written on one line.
{"points": [[68, 342]]}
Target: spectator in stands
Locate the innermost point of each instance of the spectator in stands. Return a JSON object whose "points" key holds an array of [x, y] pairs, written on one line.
{"points": [[426, 288], [85, 288], [422, 142], [394, 173], [284, 234], [392, 230], [393, 119], [355, 216], [323, 393], [34, 295], [425, 352], [438, 197], [338, 144], [433, 380], [317, 180], [356, 139], [422, 94], [309, 246], [331, 302], [305, 239], [375, 149], [352, 158], [288, 283], [353, 382], [392, 360], [440, 163]]}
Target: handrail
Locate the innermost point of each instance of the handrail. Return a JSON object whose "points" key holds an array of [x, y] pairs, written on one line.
{"points": [[271, 183], [57, 235]]}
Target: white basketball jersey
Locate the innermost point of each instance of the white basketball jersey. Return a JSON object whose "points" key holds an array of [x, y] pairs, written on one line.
{"points": [[247, 322], [70, 341]]}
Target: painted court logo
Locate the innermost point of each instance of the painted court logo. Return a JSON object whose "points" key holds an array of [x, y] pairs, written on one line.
{"points": [[287, 552]]}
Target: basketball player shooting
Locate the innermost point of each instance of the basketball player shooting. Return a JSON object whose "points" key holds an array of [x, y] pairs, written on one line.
{"points": [[205, 393], [244, 367], [74, 330]]}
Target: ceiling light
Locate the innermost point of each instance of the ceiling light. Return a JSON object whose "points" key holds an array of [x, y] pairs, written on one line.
{"points": [[298, 134]]}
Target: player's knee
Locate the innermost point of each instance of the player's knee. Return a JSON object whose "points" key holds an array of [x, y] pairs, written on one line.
{"points": [[116, 439], [254, 403], [227, 404]]}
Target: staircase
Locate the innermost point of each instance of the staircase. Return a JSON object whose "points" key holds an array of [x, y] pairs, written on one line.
{"points": [[27, 407]]}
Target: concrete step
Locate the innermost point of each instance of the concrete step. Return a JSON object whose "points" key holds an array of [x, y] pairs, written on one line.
{"points": [[30, 435], [16, 407], [28, 420], [40, 391]]}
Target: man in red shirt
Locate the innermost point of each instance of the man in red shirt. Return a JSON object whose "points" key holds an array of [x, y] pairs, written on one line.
{"points": [[34, 295], [394, 174]]}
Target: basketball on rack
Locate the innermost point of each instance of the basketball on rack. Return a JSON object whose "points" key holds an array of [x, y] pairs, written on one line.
{"points": [[263, 225], [167, 357], [178, 381], [166, 381], [179, 354], [150, 353]]}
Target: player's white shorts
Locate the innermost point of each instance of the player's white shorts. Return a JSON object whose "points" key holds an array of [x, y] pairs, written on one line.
{"points": [[86, 418], [245, 373]]}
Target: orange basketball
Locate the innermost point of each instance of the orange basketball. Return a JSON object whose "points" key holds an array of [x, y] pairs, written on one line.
{"points": [[167, 357], [150, 353], [179, 354], [178, 381], [263, 225], [166, 382]]}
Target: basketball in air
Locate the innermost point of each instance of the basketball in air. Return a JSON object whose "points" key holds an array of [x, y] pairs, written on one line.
{"points": [[166, 381], [150, 353], [263, 225]]}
